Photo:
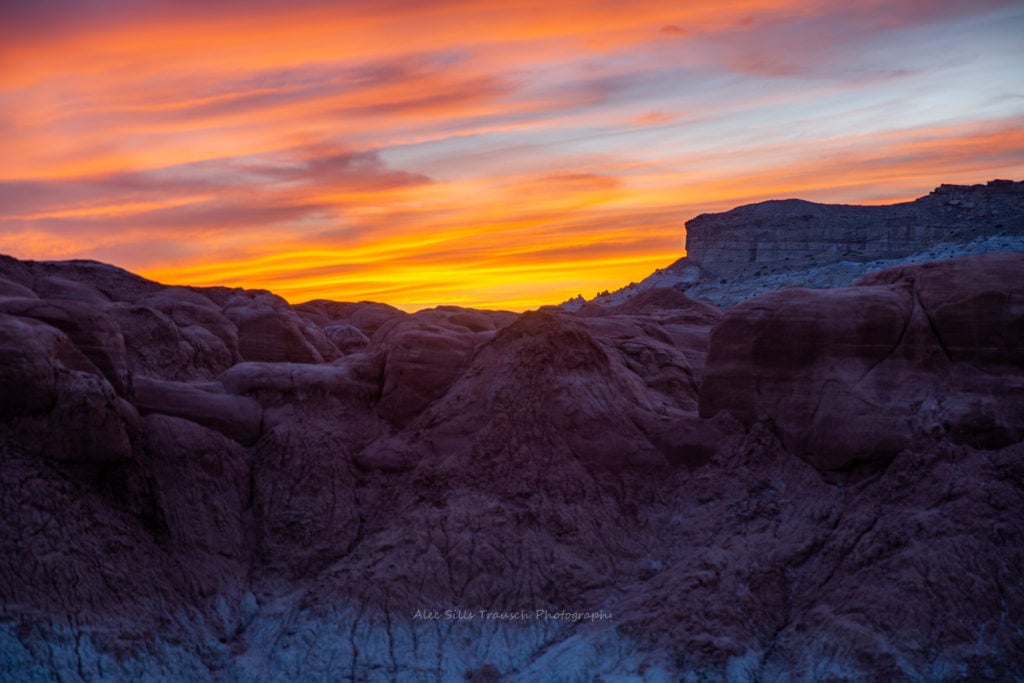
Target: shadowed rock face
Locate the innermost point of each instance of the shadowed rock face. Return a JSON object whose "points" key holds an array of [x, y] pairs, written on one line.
{"points": [[853, 376], [269, 330], [92, 332], [423, 354], [204, 484]]}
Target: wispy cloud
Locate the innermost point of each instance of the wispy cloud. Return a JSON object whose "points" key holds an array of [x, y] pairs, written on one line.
{"points": [[424, 152]]}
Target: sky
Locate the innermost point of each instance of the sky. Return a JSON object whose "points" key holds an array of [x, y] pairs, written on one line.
{"points": [[472, 152]]}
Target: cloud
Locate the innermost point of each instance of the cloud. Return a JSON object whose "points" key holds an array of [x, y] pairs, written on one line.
{"points": [[825, 40], [433, 151], [310, 167]]}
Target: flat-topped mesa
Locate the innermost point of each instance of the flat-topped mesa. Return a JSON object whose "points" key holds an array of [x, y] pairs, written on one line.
{"points": [[791, 234], [998, 186]]}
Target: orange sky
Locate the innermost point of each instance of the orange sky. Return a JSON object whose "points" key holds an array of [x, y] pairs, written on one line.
{"points": [[469, 152]]}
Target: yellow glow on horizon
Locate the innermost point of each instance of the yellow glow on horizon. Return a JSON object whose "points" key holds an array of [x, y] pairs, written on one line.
{"points": [[507, 156]]}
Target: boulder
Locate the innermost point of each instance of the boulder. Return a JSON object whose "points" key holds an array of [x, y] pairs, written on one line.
{"points": [[852, 376], [316, 336], [550, 388], [13, 290], [268, 330], [213, 338], [56, 401], [667, 305], [346, 338], [90, 423], [28, 353], [57, 287], [59, 405], [366, 316], [237, 417], [974, 305], [286, 383], [92, 331], [154, 345], [424, 354]]}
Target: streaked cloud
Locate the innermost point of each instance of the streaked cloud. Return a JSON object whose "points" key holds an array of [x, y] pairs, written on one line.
{"points": [[466, 152]]}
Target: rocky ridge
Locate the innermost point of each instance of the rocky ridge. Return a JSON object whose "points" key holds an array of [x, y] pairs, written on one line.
{"points": [[211, 484], [781, 244]]}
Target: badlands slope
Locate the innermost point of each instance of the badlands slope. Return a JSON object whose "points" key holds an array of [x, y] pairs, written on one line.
{"points": [[813, 484]]}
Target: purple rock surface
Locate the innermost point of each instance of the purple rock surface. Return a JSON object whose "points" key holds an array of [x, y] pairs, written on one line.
{"points": [[215, 485]]}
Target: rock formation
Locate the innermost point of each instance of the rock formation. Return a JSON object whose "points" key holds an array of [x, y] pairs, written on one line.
{"points": [[854, 375], [781, 244], [210, 484], [793, 234]]}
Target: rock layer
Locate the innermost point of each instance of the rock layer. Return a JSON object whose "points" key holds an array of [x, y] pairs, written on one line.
{"points": [[792, 234], [814, 485], [855, 375], [781, 244]]}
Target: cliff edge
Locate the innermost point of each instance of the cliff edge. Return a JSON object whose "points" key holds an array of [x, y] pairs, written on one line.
{"points": [[779, 244]]}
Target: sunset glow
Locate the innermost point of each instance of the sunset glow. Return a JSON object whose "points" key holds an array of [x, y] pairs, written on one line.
{"points": [[501, 155]]}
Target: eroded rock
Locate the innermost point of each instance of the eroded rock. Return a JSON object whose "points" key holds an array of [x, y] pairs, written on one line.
{"points": [[93, 332], [492, 463], [857, 374], [236, 417], [425, 352], [268, 330]]}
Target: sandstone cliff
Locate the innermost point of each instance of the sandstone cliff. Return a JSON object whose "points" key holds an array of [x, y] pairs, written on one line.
{"points": [[787, 243]]}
